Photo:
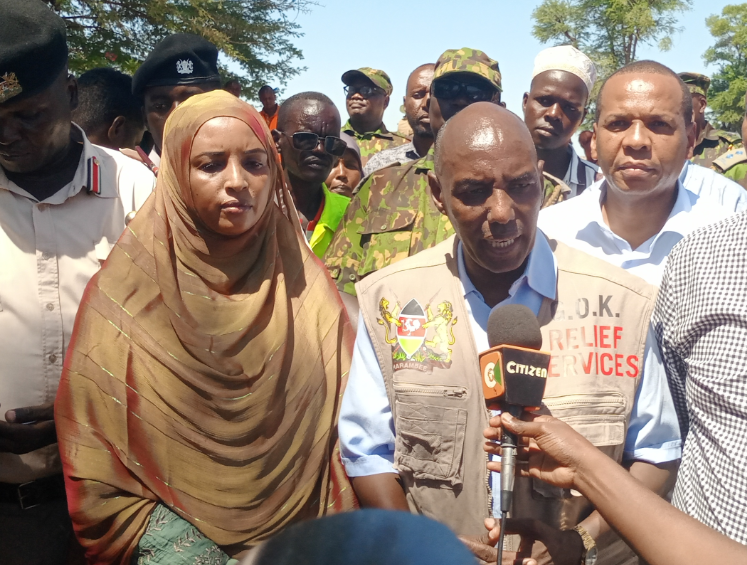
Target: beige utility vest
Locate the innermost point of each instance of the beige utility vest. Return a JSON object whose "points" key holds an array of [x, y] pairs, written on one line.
{"points": [[596, 331]]}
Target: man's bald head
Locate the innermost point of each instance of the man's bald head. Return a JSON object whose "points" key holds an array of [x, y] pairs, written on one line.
{"points": [[482, 126], [304, 103], [488, 181]]}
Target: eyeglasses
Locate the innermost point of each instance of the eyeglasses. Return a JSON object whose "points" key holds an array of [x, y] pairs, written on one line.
{"points": [[450, 90], [308, 141], [366, 91]]}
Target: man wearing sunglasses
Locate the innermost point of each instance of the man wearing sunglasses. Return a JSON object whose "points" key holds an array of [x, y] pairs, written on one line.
{"points": [[367, 93], [392, 216], [307, 137]]}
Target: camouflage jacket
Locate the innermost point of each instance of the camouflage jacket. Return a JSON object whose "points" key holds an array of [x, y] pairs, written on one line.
{"points": [[733, 165], [372, 142], [390, 218], [555, 190], [393, 217], [713, 143]]}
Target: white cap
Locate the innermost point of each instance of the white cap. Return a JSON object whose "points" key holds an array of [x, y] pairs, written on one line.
{"points": [[566, 58]]}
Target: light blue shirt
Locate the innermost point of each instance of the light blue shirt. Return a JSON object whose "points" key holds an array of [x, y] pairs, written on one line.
{"points": [[579, 223], [366, 426], [714, 187]]}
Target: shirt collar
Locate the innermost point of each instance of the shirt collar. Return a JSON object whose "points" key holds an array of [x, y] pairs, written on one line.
{"points": [[381, 131], [538, 275], [677, 222], [82, 177]]}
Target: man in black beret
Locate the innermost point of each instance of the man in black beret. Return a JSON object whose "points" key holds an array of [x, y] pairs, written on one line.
{"points": [[63, 204], [180, 66]]}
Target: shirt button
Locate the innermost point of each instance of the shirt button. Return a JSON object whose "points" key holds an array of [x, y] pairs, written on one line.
{"points": [[50, 306], [383, 227], [52, 358], [352, 277], [46, 256]]}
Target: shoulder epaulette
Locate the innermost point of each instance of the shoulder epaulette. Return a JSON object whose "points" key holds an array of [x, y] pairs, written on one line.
{"points": [[731, 158], [728, 136]]}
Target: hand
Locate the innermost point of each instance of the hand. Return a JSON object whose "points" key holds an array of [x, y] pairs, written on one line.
{"points": [[17, 436], [483, 547], [557, 547], [554, 451]]}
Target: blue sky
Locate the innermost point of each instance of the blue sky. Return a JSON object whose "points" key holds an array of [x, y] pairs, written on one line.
{"points": [[399, 35]]}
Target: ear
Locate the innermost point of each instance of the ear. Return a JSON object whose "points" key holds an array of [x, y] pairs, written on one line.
{"points": [[436, 192], [593, 144], [702, 104], [116, 129], [691, 140], [72, 90], [386, 101], [276, 138], [541, 167], [524, 101]]}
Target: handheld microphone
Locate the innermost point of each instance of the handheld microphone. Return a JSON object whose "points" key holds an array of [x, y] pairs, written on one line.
{"points": [[514, 375]]}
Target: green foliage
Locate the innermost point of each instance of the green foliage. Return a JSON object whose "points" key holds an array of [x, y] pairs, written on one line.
{"points": [[256, 34], [729, 53], [608, 31]]}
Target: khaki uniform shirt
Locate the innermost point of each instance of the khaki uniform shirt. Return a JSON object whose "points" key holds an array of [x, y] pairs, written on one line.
{"points": [[48, 252]]}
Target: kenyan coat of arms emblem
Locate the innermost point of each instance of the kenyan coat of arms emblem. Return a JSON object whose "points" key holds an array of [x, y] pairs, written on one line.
{"points": [[419, 338], [185, 67]]}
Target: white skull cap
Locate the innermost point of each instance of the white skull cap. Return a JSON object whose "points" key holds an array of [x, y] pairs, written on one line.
{"points": [[566, 58]]}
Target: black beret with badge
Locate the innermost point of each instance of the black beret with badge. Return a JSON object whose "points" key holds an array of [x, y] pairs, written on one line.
{"points": [[33, 48], [181, 58]]}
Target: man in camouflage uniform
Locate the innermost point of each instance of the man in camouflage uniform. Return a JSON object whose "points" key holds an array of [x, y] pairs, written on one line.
{"points": [[711, 142], [733, 164], [393, 216], [367, 94]]}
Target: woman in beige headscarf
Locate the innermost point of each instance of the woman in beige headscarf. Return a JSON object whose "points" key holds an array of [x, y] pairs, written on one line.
{"points": [[201, 388]]}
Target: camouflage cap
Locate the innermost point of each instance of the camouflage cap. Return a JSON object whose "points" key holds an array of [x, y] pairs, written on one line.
{"points": [[697, 83], [377, 77], [466, 60]]}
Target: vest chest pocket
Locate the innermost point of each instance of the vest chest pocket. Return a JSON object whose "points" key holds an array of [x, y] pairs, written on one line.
{"points": [[430, 441]]}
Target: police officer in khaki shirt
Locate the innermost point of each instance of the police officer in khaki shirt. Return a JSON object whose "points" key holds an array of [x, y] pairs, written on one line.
{"points": [[63, 204]]}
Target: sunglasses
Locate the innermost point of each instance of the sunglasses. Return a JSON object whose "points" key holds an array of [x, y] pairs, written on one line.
{"points": [[366, 91], [450, 90], [308, 141]]}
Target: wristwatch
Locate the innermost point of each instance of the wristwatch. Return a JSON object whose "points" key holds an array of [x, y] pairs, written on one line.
{"points": [[589, 556]]}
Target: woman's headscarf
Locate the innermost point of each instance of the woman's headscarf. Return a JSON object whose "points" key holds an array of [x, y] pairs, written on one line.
{"points": [[204, 372]]}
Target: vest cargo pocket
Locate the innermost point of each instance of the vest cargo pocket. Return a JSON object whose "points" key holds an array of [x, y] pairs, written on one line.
{"points": [[430, 441], [599, 417]]}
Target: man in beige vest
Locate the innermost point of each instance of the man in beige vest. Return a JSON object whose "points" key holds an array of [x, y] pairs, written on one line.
{"points": [[413, 415]]}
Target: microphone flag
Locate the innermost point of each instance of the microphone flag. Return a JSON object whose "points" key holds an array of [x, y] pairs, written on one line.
{"points": [[515, 375]]}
